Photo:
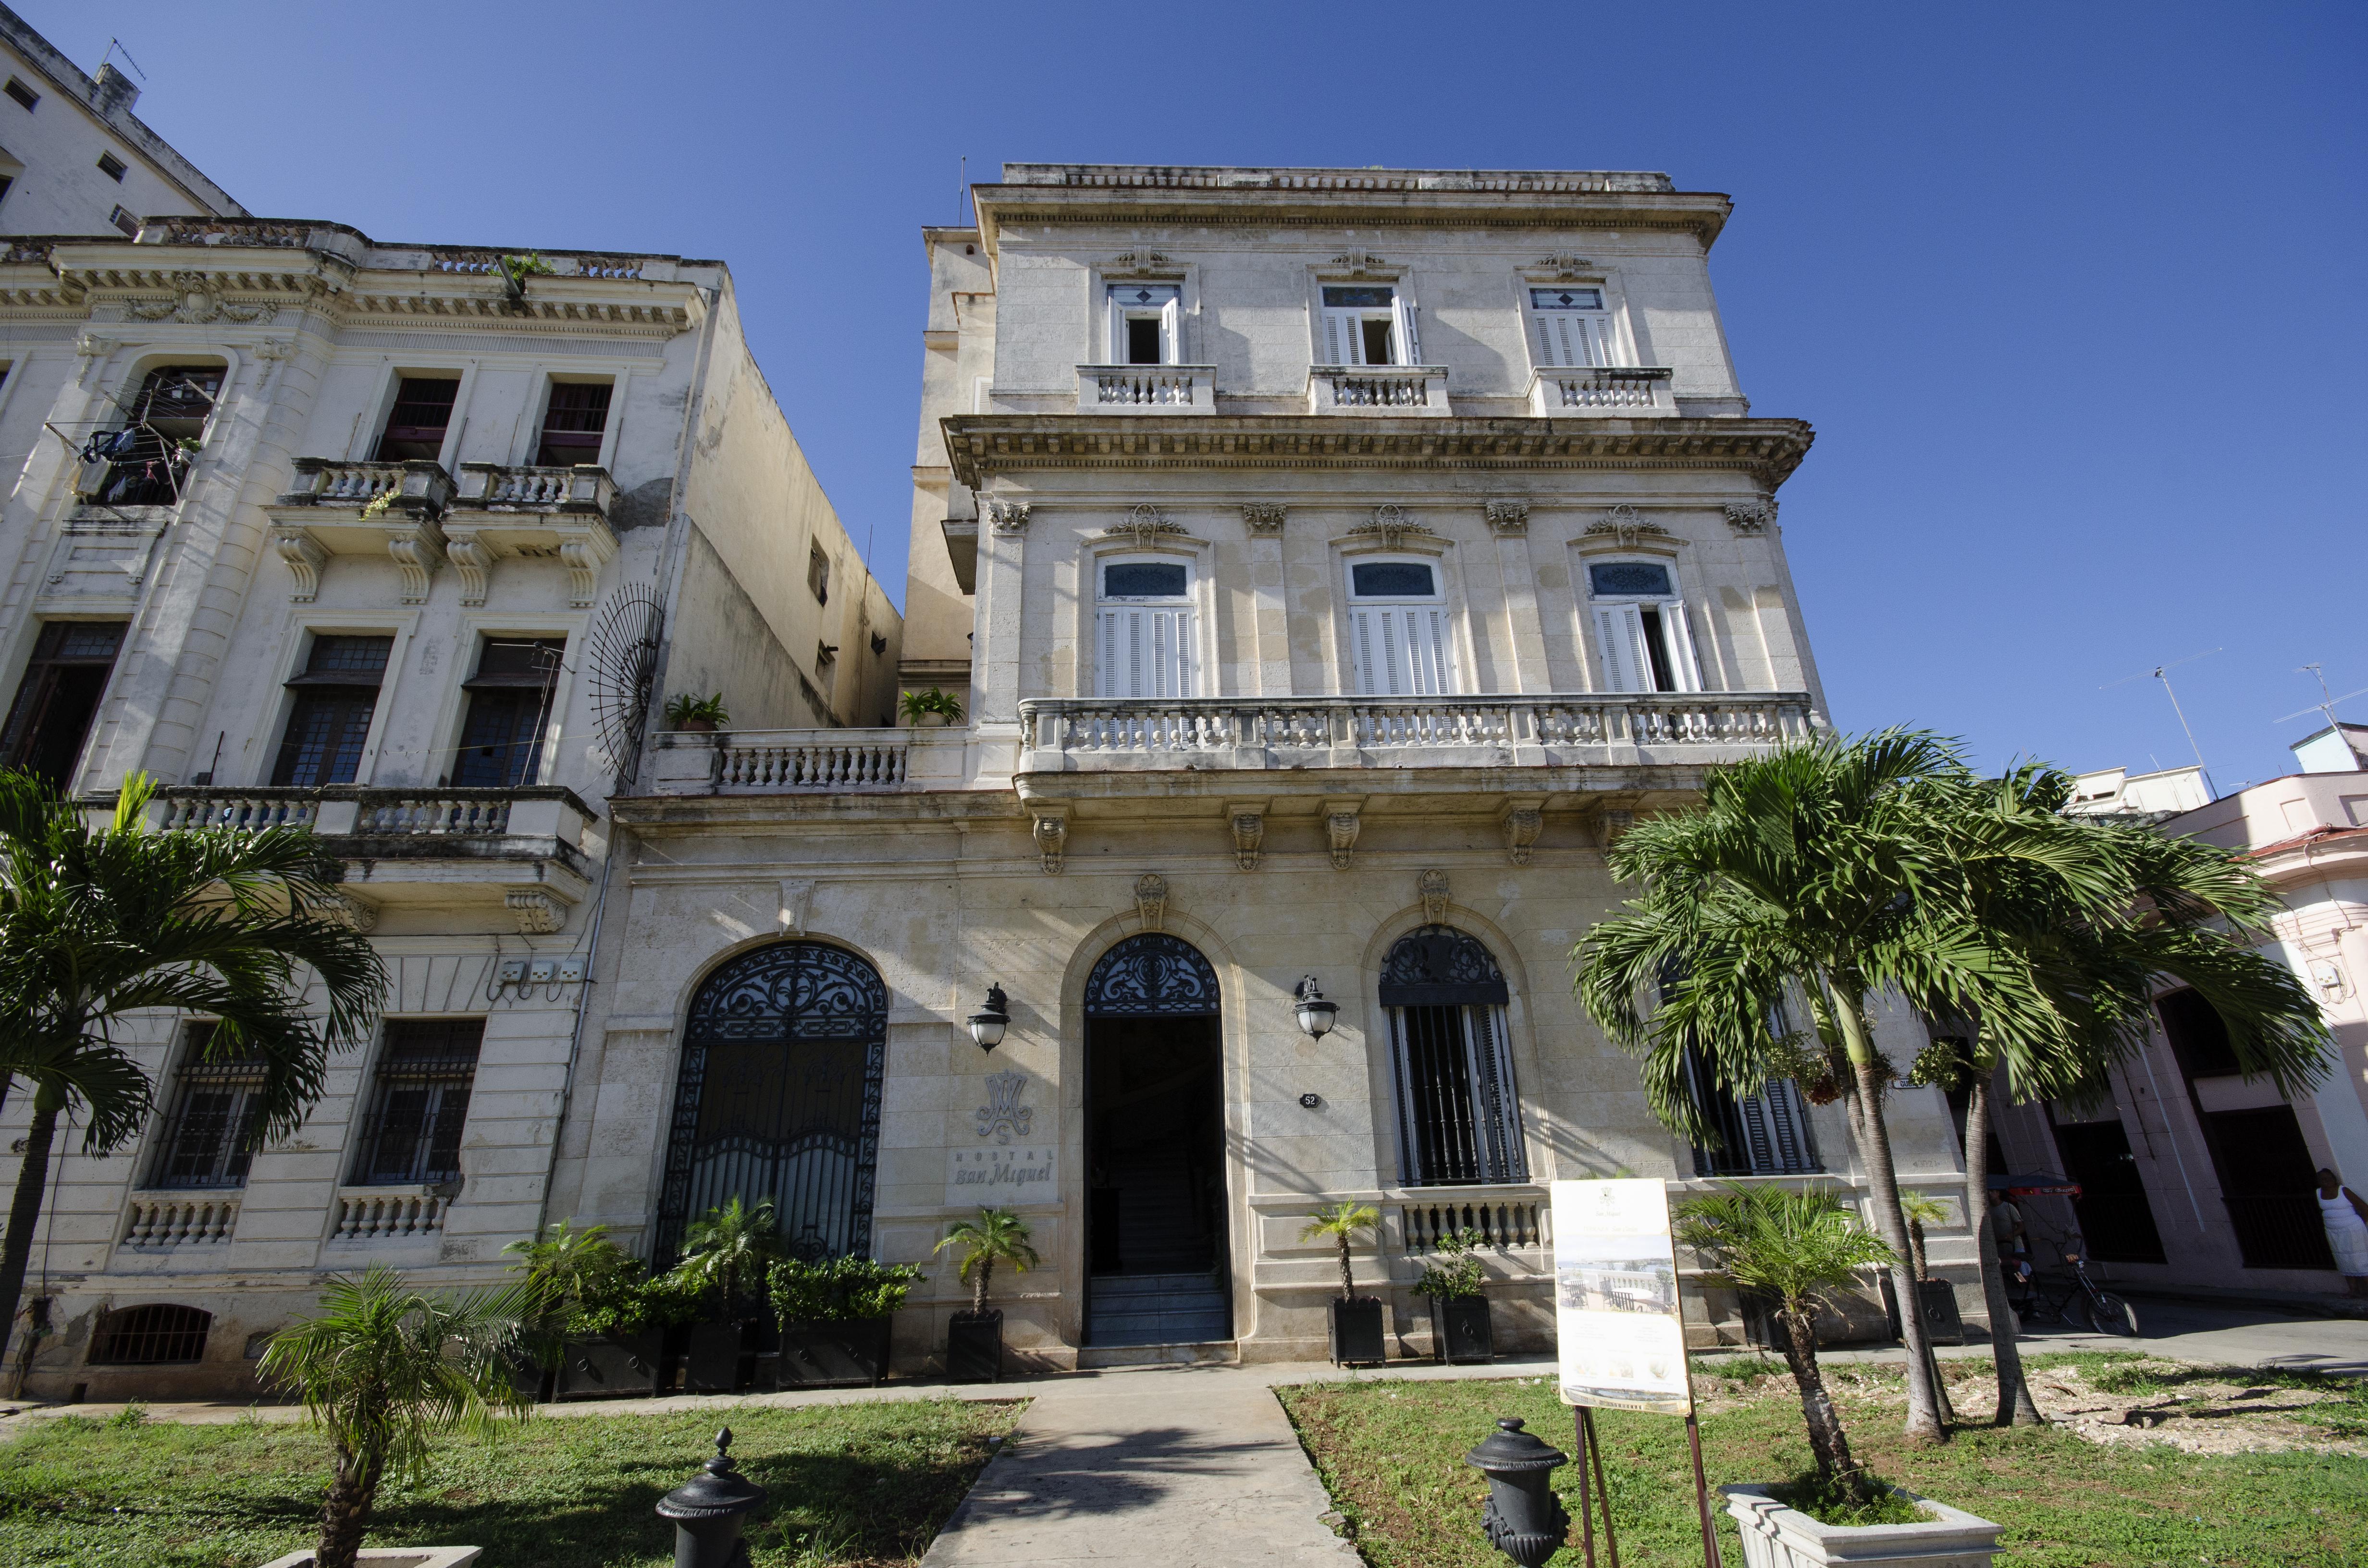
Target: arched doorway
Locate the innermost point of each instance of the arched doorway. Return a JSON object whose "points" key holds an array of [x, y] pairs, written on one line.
{"points": [[1155, 1148], [1459, 1111], [779, 1097]]}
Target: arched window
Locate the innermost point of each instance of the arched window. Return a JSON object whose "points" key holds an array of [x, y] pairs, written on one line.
{"points": [[1640, 622], [1459, 1110], [779, 1097], [150, 1336], [1151, 974]]}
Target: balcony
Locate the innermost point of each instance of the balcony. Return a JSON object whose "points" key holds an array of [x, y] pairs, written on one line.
{"points": [[1146, 389], [362, 508], [1622, 391], [391, 1214], [516, 851], [801, 762], [1369, 390], [1082, 735], [501, 510]]}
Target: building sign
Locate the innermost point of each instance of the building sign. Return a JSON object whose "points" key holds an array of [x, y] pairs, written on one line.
{"points": [[1000, 1178], [1622, 1341]]}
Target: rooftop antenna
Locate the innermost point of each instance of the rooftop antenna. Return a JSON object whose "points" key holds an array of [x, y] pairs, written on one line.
{"points": [[962, 190], [115, 47], [2159, 674], [2326, 704]]}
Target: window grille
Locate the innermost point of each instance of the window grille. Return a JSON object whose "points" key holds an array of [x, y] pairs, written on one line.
{"points": [[1762, 1134], [208, 1138], [151, 1337], [422, 413], [509, 709], [419, 1102], [1459, 1109], [573, 422], [335, 697]]}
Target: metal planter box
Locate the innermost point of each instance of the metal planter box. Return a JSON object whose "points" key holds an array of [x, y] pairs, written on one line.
{"points": [[1357, 1334], [975, 1348], [612, 1367], [1459, 1330], [847, 1353], [1777, 1537]]}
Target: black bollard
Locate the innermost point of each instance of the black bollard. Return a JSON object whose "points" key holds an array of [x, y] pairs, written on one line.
{"points": [[1524, 1519], [708, 1510]]}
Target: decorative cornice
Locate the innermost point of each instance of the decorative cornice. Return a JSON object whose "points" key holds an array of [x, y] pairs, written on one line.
{"points": [[1392, 524], [1145, 523], [982, 444], [1626, 525]]}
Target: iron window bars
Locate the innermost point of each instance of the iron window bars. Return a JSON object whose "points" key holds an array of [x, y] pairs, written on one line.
{"points": [[151, 1337], [1459, 1109], [419, 1102], [208, 1140]]}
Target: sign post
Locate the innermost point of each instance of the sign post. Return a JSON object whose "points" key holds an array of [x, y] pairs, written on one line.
{"points": [[1621, 1333]]}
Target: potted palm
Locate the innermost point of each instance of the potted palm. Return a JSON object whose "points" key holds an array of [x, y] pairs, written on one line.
{"points": [[384, 1370], [1938, 1296], [1459, 1330], [697, 715], [930, 709], [974, 1339], [1356, 1320], [834, 1318], [1788, 1247], [727, 1257], [600, 1329]]}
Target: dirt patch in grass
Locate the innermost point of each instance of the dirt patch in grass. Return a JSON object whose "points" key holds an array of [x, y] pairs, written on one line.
{"points": [[851, 1486]]}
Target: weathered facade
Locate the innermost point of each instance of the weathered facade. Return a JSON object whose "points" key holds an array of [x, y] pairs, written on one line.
{"points": [[398, 541], [1328, 565]]}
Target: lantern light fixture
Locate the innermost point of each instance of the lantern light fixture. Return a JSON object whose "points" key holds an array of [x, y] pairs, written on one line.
{"points": [[986, 1024], [1316, 1015]]}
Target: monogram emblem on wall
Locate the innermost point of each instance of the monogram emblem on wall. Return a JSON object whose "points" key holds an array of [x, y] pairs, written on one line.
{"points": [[1003, 1116]]}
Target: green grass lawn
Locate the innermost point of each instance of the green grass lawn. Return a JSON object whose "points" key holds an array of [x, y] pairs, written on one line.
{"points": [[1392, 1453], [850, 1485]]}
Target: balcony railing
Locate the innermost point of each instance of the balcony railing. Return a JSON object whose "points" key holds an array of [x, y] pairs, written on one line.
{"points": [[166, 1219], [419, 486], [1377, 389], [389, 1214], [1146, 389], [1628, 390], [546, 810], [764, 762], [585, 487], [1507, 1220], [1064, 734]]}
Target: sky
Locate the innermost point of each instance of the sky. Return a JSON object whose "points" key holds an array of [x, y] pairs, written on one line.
{"points": [[2070, 291]]}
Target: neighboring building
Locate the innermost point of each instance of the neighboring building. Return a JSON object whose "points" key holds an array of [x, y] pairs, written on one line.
{"points": [[2338, 748], [2116, 791], [1329, 564], [396, 542], [2194, 1174], [74, 159]]}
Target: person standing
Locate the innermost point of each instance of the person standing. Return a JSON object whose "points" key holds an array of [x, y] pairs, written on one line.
{"points": [[2345, 1215]]}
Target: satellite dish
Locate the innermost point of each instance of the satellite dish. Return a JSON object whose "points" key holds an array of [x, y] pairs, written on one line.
{"points": [[622, 656]]}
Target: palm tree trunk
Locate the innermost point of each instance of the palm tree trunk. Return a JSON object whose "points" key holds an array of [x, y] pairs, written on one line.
{"points": [[346, 1512], [2015, 1406], [978, 1288], [25, 1209], [1348, 1280], [1827, 1440]]}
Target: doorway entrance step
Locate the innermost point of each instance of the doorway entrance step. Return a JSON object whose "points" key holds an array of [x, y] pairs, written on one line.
{"points": [[1156, 1309], [1206, 1353]]}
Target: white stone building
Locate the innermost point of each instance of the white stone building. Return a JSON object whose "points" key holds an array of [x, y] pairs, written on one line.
{"points": [[389, 540], [1328, 565]]}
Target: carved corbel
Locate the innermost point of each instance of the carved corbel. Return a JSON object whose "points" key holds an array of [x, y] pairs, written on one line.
{"points": [[1340, 825], [585, 555], [419, 549], [1510, 517], [304, 558], [1750, 517], [537, 913], [795, 893], [1249, 823], [1616, 822], [1264, 516], [1151, 900], [1009, 516], [472, 559], [1432, 888], [1051, 830], [1522, 822], [342, 908]]}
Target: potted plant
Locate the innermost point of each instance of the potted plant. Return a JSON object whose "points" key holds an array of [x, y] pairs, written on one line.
{"points": [[383, 1371], [974, 1339], [834, 1318], [1356, 1320], [1939, 1297], [930, 709], [726, 1258], [1459, 1330], [1787, 1247], [697, 715]]}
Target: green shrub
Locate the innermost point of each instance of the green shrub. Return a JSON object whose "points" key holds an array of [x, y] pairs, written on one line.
{"points": [[841, 1289], [1458, 1272]]}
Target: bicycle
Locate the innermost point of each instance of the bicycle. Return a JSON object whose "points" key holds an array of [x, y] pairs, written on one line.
{"points": [[2056, 1296]]}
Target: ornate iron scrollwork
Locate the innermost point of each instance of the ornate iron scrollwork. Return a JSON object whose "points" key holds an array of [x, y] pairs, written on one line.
{"points": [[1150, 974], [1438, 966]]}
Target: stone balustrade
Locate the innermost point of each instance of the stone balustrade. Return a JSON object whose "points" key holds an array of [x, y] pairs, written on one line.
{"points": [[1622, 390], [383, 817], [587, 487], [1378, 389], [531, 810], [179, 1219], [202, 807], [415, 487], [1146, 389], [761, 762], [1075, 735], [388, 1213], [1503, 1220]]}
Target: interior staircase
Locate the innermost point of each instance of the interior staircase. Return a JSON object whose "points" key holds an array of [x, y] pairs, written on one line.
{"points": [[1168, 1290]]}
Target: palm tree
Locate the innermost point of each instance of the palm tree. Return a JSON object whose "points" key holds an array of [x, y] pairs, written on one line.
{"points": [[385, 1369], [1344, 1223], [97, 922], [571, 1270], [1787, 1247], [998, 1235], [1921, 1211], [730, 1252]]}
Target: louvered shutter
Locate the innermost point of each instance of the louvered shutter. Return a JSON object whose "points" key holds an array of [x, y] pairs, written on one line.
{"points": [[1572, 337], [1682, 663], [1143, 652], [1408, 337], [1342, 343], [1402, 650], [1620, 632]]}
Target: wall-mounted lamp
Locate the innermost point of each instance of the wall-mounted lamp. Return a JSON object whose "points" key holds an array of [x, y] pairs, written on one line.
{"points": [[1316, 1015], [986, 1024]]}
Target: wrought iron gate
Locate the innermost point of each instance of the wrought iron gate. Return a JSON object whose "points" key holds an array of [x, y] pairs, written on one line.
{"points": [[1459, 1110], [779, 1097]]}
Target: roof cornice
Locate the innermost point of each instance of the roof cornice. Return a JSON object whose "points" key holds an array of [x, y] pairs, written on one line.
{"points": [[982, 446]]}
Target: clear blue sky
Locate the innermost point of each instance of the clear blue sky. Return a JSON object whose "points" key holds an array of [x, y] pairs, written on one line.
{"points": [[2072, 292]]}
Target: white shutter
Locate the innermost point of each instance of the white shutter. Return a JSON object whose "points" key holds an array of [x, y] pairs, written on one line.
{"points": [[1144, 652], [1573, 337], [1171, 330], [1620, 630], [1409, 340], [1342, 342], [1682, 663], [1402, 651]]}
